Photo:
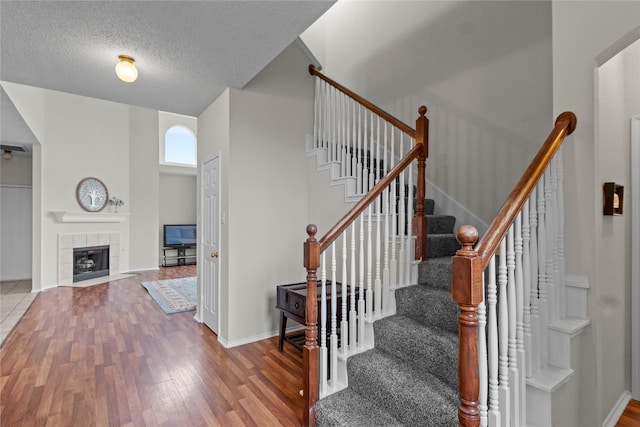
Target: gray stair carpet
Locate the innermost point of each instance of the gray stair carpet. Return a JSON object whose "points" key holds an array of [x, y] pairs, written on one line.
{"points": [[410, 378]]}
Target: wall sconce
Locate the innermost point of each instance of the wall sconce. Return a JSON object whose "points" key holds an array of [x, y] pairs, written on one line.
{"points": [[126, 69], [613, 198], [7, 155], [114, 201]]}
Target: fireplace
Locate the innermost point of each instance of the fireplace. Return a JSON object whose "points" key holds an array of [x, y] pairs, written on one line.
{"points": [[90, 262], [68, 243]]}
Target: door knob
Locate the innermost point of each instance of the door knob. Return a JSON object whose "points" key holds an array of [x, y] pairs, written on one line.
{"points": [[214, 254]]}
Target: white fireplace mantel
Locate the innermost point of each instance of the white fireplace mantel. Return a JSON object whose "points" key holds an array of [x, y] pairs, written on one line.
{"points": [[89, 216]]}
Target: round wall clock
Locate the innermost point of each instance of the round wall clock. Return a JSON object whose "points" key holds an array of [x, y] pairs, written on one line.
{"points": [[92, 194]]}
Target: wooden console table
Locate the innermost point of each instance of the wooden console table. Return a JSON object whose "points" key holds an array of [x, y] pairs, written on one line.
{"points": [[292, 303]]}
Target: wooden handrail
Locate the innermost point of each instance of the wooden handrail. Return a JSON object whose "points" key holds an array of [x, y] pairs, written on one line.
{"points": [[487, 246], [379, 111], [472, 259]]}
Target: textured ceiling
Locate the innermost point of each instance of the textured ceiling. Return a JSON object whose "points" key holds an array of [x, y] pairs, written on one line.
{"points": [[187, 52]]}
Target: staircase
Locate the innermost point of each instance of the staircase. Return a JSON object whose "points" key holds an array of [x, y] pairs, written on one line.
{"points": [[460, 330], [410, 376]]}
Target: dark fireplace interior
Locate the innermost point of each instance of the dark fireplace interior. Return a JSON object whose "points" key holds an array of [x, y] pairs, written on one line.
{"points": [[90, 262]]}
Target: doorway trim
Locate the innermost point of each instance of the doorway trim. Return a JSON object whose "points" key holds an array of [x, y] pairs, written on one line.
{"points": [[635, 258]]}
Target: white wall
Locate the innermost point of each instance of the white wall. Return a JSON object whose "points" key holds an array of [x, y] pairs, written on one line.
{"points": [[15, 229], [213, 139], [488, 95], [264, 191], [178, 199], [269, 120], [586, 35], [83, 137], [16, 171], [144, 189]]}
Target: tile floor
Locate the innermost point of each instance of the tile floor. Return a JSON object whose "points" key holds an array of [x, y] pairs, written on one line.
{"points": [[15, 299]]}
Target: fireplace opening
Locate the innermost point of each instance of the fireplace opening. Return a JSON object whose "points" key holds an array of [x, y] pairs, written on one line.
{"points": [[90, 262]]}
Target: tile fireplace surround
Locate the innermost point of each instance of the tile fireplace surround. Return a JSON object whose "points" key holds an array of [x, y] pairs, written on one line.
{"points": [[67, 242]]}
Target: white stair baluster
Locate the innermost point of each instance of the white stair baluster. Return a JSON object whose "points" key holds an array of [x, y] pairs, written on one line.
{"points": [[402, 225], [377, 284], [514, 382], [354, 145], [343, 139], [352, 300], [386, 291], [344, 324], [333, 339], [550, 242], [316, 103], [560, 215], [526, 276], [483, 369], [542, 277], [521, 403], [360, 154], [365, 148], [503, 336], [535, 298], [323, 328], [410, 248], [393, 265], [361, 312], [369, 291], [492, 345]]}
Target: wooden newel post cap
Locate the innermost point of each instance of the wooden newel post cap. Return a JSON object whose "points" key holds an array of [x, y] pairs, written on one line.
{"points": [[312, 229], [422, 110], [467, 236]]}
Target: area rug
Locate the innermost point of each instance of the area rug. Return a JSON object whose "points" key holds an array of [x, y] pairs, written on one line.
{"points": [[174, 295]]}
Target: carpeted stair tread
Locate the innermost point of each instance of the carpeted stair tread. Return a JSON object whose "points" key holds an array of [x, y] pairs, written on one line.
{"points": [[436, 272], [439, 245], [412, 397], [440, 224], [428, 350], [347, 408], [431, 307]]}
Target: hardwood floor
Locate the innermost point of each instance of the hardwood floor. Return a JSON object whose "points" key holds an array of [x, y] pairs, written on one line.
{"points": [[106, 355], [631, 415]]}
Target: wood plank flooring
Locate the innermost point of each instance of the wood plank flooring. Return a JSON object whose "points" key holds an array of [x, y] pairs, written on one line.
{"points": [[106, 355], [631, 415]]}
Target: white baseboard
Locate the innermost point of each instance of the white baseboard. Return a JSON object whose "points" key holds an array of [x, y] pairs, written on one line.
{"points": [[248, 340], [617, 410]]}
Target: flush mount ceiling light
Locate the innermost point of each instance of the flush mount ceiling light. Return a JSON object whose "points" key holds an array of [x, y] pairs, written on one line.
{"points": [[126, 69]]}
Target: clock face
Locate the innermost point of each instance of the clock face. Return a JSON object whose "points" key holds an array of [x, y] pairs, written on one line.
{"points": [[92, 194]]}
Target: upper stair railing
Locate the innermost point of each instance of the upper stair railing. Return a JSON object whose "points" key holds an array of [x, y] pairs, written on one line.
{"points": [[503, 343], [376, 242]]}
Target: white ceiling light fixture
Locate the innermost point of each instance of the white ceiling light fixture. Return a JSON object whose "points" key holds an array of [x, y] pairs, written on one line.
{"points": [[126, 69]]}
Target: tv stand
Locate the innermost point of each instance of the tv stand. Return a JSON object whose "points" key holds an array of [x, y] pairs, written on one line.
{"points": [[181, 255]]}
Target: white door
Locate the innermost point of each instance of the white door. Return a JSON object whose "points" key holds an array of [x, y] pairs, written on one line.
{"points": [[210, 235]]}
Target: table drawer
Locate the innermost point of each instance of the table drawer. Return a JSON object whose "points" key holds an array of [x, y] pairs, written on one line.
{"points": [[295, 304]]}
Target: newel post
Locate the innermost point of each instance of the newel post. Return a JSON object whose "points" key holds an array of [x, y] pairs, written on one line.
{"points": [[466, 290], [311, 351], [419, 220]]}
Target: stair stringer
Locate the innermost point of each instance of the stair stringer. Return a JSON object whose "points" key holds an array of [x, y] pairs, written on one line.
{"points": [[542, 386]]}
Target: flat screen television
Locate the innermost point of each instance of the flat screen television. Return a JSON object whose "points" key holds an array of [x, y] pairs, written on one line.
{"points": [[179, 235]]}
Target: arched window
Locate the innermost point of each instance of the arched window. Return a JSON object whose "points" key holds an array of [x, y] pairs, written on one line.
{"points": [[179, 146]]}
